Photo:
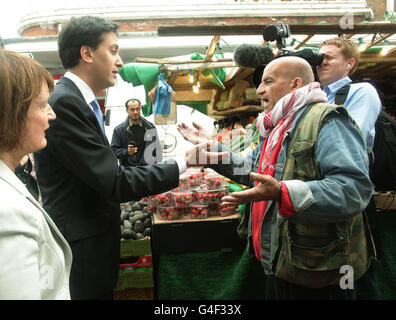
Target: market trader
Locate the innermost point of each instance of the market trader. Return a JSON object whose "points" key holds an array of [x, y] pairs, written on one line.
{"points": [[311, 186], [81, 182], [135, 142]]}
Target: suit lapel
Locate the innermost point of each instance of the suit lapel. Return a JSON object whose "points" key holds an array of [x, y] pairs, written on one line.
{"points": [[85, 107]]}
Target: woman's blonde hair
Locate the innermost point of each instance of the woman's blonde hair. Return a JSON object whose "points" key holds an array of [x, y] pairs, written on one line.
{"points": [[21, 79]]}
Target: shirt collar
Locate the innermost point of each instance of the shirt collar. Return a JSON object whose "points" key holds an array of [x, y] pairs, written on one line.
{"points": [[86, 91], [335, 86], [139, 123]]}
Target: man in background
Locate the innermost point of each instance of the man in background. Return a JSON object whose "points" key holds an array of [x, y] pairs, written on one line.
{"points": [[341, 59], [135, 142]]}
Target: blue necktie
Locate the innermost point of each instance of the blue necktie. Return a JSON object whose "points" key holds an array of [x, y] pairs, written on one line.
{"points": [[98, 114]]}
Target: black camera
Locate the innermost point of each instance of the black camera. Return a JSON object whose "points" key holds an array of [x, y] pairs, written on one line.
{"points": [[279, 33]]}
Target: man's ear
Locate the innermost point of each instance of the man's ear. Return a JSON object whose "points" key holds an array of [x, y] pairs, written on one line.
{"points": [[86, 54], [296, 83], [351, 63]]}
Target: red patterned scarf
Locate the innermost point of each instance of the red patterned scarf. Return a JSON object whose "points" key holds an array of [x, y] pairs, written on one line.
{"points": [[273, 123], [273, 126]]}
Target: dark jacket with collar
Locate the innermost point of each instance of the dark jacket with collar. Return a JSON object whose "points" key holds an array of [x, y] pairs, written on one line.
{"points": [[82, 187], [152, 151]]}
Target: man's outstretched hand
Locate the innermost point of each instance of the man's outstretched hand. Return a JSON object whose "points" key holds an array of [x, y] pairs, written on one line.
{"points": [[204, 154], [268, 189], [195, 136]]}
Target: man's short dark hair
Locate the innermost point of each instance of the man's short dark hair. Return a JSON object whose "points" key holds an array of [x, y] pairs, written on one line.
{"points": [[82, 31], [133, 99]]}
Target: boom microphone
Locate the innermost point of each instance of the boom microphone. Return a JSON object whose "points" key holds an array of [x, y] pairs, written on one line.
{"points": [[253, 56]]}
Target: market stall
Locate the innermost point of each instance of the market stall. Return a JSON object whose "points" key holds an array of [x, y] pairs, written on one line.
{"points": [[198, 251]]}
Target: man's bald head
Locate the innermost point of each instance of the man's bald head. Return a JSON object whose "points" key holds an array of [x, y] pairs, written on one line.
{"points": [[282, 76], [293, 67]]}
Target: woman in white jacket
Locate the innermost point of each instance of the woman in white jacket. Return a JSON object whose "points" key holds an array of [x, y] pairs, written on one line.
{"points": [[35, 259]]}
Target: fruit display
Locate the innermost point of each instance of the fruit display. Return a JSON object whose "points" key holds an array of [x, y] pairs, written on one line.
{"points": [[162, 200], [182, 198], [226, 210], [169, 213], [213, 196], [199, 211], [199, 202], [195, 179], [190, 179], [184, 184], [213, 209], [183, 210], [149, 201], [135, 220], [198, 196], [214, 182]]}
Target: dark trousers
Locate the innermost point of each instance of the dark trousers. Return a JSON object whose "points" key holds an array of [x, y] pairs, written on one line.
{"points": [[364, 289], [76, 296], [365, 286], [278, 289]]}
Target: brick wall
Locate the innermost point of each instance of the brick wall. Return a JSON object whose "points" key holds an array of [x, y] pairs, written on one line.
{"points": [[38, 31], [378, 7], [151, 25]]}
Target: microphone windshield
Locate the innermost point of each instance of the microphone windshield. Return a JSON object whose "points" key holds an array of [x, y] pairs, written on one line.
{"points": [[253, 56]]}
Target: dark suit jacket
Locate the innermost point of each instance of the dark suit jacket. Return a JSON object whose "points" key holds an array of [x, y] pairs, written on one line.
{"points": [[83, 186]]}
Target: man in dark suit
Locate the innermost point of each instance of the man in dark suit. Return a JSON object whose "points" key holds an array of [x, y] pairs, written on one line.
{"points": [[81, 182]]}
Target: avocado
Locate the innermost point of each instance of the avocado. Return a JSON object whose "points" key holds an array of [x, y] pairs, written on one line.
{"points": [[127, 207], [128, 234], [135, 207], [130, 219], [147, 232], [147, 222], [124, 215], [136, 217], [139, 236], [142, 204], [127, 224], [139, 227]]}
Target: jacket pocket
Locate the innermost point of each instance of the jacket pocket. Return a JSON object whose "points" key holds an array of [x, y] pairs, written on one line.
{"points": [[304, 160], [316, 248]]}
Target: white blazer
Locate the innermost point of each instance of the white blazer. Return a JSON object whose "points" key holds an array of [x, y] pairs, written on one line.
{"points": [[35, 259]]}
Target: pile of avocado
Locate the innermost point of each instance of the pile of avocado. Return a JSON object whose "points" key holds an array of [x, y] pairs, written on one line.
{"points": [[135, 220]]}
